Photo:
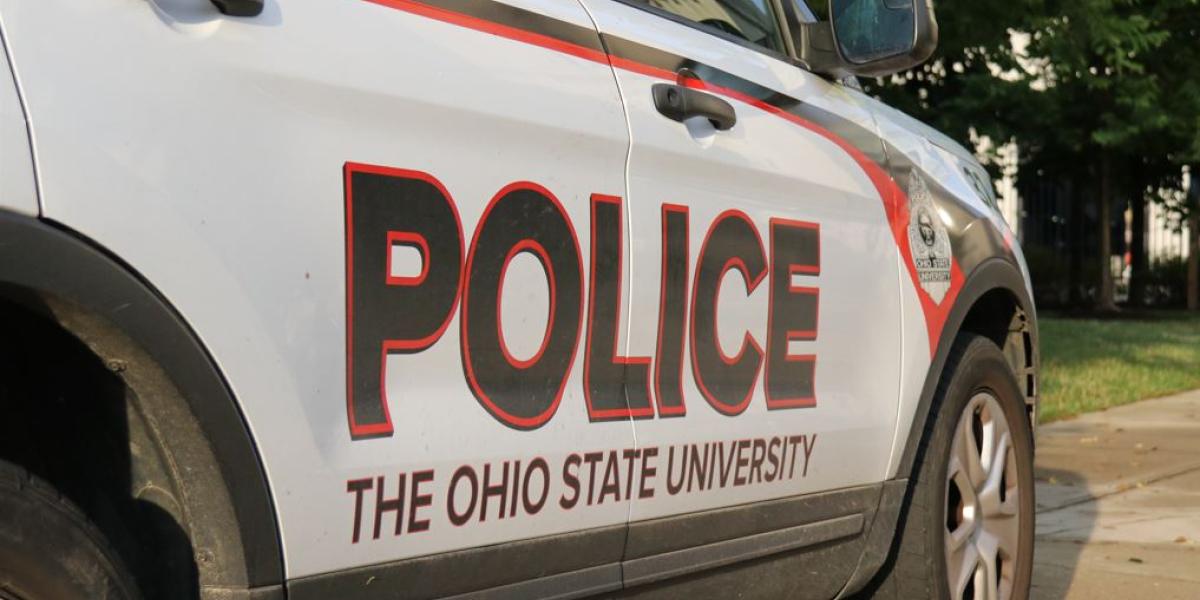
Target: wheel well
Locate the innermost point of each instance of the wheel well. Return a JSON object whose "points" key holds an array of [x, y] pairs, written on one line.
{"points": [[90, 412], [998, 316], [184, 446]]}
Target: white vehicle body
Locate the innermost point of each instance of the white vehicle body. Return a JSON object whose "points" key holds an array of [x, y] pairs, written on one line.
{"points": [[217, 159]]}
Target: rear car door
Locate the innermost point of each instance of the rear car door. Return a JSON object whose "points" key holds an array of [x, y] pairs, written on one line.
{"points": [[766, 260], [326, 192]]}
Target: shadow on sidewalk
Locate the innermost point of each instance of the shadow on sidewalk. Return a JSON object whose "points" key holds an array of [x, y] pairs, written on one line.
{"points": [[1066, 517]]}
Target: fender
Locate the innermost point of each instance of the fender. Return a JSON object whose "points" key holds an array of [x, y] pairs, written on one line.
{"points": [[45, 261], [18, 186], [990, 275]]}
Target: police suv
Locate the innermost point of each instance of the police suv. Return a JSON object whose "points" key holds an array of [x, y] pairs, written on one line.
{"points": [[499, 299]]}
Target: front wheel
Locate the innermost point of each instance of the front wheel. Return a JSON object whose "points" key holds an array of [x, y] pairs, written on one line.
{"points": [[968, 529], [49, 550]]}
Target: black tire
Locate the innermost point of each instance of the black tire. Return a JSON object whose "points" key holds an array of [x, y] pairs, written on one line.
{"points": [[917, 567], [49, 550]]}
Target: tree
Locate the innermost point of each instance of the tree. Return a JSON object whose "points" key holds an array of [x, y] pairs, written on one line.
{"points": [[1175, 61], [958, 90], [1093, 57], [1193, 266], [1101, 95], [1158, 154]]}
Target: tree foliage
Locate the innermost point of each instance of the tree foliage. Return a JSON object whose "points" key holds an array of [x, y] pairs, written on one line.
{"points": [[1101, 95]]}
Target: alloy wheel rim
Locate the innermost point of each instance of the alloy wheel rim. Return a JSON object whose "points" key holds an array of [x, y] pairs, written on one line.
{"points": [[983, 520]]}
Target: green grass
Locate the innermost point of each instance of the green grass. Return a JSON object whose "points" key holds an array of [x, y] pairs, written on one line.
{"points": [[1090, 365]]}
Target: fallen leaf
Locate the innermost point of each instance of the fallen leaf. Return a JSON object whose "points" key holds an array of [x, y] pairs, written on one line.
{"points": [[1134, 559], [1181, 540]]}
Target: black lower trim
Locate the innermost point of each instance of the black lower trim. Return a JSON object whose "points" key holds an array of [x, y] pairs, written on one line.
{"points": [[38, 259], [650, 569], [877, 540], [576, 584], [510, 565], [660, 536], [648, 557]]}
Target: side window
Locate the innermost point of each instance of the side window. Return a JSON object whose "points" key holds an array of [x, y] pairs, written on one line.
{"points": [[751, 20], [818, 9]]}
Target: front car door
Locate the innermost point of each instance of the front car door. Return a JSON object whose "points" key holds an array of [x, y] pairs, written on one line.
{"points": [[764, 368], [368, 211]]}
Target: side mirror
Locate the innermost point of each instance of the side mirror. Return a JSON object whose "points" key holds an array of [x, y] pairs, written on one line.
{"points": [[881, 37], [871, 38]]}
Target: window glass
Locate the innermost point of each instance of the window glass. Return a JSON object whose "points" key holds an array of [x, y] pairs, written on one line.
{"points": [[819, 8], [750, 20], [869, 30]]}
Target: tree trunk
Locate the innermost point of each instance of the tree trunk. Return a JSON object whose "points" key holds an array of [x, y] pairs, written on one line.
{"points": [[1105, 295], [1193, 261], [1139, 261], [1075, 237]]}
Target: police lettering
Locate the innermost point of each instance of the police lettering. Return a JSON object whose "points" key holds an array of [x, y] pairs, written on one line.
{"points": [[391, 315]]}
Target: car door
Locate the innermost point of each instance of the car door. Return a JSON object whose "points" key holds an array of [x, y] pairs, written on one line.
{"points": [[766, 268], [368, 211]]}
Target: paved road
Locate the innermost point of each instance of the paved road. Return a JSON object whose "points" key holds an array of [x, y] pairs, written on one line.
{"points": [[1119, 503]]}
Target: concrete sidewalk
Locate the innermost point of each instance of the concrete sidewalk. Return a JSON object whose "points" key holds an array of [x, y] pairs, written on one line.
{"points": [[1118, 496]]}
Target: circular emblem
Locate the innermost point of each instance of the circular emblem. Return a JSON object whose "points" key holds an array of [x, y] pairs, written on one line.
{"points": [[927, 239]]}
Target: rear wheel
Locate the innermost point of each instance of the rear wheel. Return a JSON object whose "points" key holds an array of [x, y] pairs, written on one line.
{"points": [[968, 529], [49, 550]]}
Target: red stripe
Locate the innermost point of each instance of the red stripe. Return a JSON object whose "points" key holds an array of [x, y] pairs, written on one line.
{"points": [[895, 200], [640, 68], [494, 28]]}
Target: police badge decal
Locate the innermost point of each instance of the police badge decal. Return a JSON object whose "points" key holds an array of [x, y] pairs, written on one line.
{"points": [[928, 240]]}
